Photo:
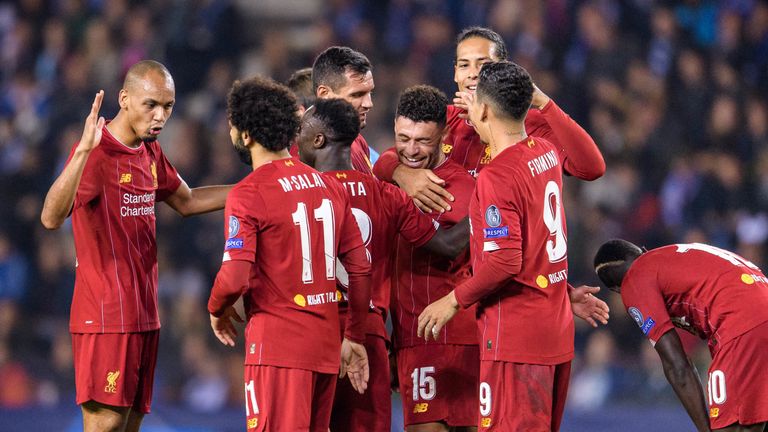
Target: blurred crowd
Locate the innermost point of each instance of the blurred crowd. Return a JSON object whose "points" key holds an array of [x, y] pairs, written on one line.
{"points": [[674, 93]]}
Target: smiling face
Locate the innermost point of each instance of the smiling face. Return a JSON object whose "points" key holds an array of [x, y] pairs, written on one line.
{"points": [[471, 55], [418, 143], [148, 102], [357, 90]]}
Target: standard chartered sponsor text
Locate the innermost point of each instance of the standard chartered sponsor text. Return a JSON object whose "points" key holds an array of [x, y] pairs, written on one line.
{"points": [[145, 210]]}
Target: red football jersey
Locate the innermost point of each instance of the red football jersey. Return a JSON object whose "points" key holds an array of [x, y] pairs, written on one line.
{"points": [[707, 291], [383, 213], [517, 205], [291, 223], [422, 277], [113, 220]]}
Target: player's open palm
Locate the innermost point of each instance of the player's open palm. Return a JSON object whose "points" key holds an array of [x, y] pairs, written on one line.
{"points": [[354, 364], [93, 125], [588, 307]]}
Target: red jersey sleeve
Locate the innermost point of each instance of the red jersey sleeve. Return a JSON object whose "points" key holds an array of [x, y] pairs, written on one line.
{"points": [[241, 217], [645, 304], [415, 226], [164, 174], [500, 227], [386, 164], [578, 151], [91, 181]]}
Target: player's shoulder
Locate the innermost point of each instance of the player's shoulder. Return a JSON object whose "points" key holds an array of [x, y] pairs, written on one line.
{"points": [[454, 171]]}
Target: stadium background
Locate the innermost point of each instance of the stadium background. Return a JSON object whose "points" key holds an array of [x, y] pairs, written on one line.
{"points": [[673, 93]]}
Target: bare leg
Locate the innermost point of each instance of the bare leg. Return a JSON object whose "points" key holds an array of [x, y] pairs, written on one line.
{"points": [[98, 417], [134, 421]]}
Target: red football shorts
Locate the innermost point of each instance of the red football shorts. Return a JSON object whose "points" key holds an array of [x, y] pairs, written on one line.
{"points": [[438, 383], [371, 411], [522, 397], [285, 399], [737, 380], [115, 369]]}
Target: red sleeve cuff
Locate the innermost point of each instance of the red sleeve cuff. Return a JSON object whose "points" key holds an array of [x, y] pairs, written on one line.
{"points": [[385, 165]]}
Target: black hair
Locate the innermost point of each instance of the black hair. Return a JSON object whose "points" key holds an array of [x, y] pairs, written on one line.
{"points": [[423, 103], [507, 86], [331, 65], [611, 261], [264, 109], [340, 118], [300, 83], [487, 34]]}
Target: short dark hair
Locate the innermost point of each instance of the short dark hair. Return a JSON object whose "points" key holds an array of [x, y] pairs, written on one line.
{"points": [[300, 83], [340, 118], [487, 34], [507, 86], [423, 103], [611, 258], [331, 65], [264, 109]]}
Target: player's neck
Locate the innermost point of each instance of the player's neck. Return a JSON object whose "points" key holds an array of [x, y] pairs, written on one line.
{"points": [[504, 135], [122, 131], [261, 156], [335, 158]]}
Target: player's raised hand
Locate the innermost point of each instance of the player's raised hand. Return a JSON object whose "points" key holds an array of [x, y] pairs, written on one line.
{"points": [[463, 100], [425, 187], [540, 99], [436, 315], [93, 125], [354, 364], [588, 307], [223, 327]]}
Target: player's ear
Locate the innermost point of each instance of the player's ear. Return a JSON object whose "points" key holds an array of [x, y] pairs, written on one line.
{"points": [[484, 111], [122, 98], [319, 141], [323, 91], [246, 137]]}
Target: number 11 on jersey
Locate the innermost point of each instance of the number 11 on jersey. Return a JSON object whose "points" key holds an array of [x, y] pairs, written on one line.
{"points": [[323, 214]]}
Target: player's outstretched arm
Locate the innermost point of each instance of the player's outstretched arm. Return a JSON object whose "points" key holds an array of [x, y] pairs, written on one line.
{"points": [[450, 242], [588, 307], [61, 195], [354, 364], [189, 202], [682, 375], [580, 154]]}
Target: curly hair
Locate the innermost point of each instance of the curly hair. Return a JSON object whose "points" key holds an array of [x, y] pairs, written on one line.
{"points": [[266, 110], [423, 103], [339, 118], [331, 65], [507, 86], [487, 34]]}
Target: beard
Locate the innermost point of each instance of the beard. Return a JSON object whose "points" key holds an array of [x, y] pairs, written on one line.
{"points": [[242, 151]]}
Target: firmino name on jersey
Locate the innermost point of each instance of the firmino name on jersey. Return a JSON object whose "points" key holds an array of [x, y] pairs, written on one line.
{"points": [[543, 163], [301, 182], [141, 210]]}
